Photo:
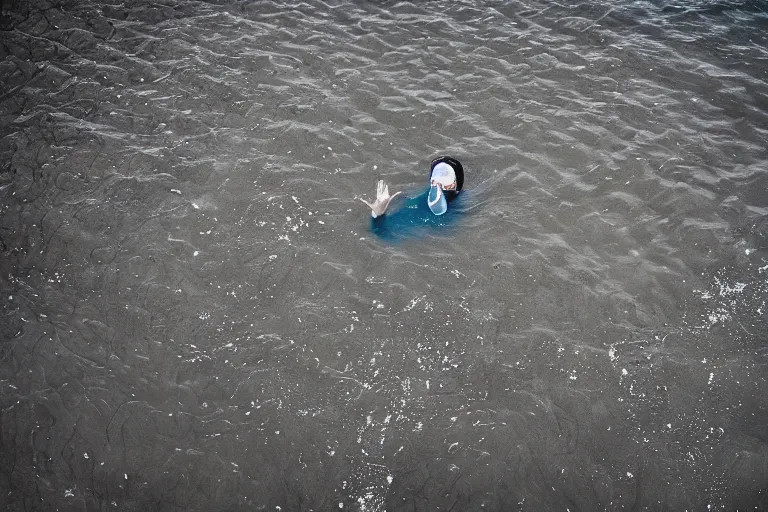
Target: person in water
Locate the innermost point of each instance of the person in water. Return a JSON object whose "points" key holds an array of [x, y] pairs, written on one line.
{"points": [[446, 179]]}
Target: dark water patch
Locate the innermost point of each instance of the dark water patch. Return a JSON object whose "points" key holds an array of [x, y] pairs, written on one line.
{"points": [[198, 315]]}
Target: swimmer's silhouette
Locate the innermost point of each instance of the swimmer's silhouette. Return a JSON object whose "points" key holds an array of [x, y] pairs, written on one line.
{"points": [[446, 179]]}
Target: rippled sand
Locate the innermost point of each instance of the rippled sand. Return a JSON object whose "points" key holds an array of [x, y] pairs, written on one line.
{"points": [[196, 314]]}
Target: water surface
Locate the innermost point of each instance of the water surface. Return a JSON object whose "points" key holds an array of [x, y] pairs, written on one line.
{"points": [[197, 315]]}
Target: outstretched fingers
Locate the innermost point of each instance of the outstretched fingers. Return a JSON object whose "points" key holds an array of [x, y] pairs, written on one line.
{"points": [[382, 190], [389, 199]]}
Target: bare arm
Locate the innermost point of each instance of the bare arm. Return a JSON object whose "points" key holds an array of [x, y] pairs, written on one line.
{"points": [[380, 205]]}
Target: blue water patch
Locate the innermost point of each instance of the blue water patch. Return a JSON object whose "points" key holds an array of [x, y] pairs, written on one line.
{"points": [[414, 219]]}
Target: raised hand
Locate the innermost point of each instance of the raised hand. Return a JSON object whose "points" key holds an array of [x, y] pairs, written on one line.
{"points": [[379, 206]]}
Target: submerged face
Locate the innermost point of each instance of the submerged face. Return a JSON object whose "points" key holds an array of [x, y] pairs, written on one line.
{"points": [[443, 178]]}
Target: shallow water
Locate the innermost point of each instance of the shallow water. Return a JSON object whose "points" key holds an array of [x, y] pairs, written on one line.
{"points": [[197, 314]]}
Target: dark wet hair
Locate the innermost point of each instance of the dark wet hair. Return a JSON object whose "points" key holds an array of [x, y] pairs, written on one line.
{"points": [[457, 168]]}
